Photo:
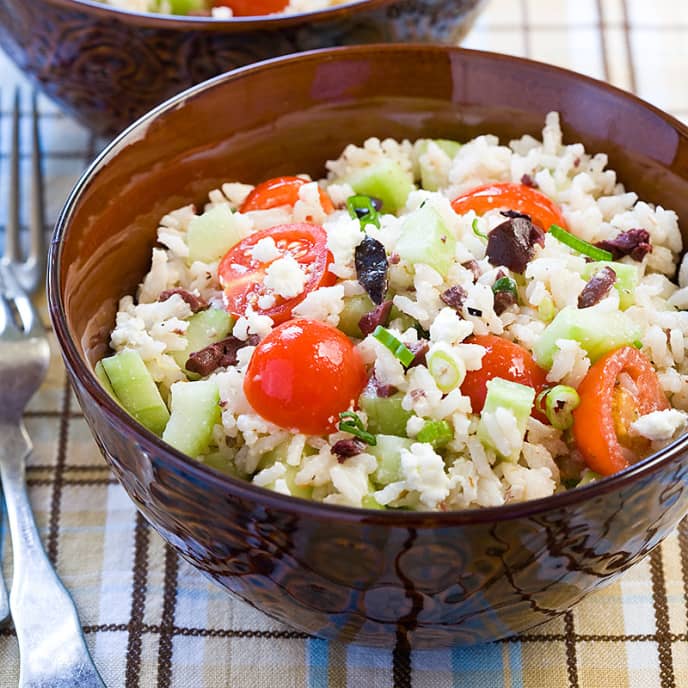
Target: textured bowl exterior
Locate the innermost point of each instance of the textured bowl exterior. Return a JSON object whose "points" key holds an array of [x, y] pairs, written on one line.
{"points": [[423, 580], [108, 67]]}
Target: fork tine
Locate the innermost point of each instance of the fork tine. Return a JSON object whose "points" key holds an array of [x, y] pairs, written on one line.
{"points": [[12, 252], [8, 323], [37, 223]]}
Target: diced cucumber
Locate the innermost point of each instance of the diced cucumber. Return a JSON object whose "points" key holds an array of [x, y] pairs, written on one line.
{"points": [[220, 463], [355, 307], [205, 327], [596, 331], [425, 239], [626, 279], [212, 234], [514, 397], [185, 6], [136, 390], [430, 180], [195, 412], [369, 502], [385, 414], [280, 454], [385, 180], [438, 433], [387, 451], [404, 321], [104, 380]]}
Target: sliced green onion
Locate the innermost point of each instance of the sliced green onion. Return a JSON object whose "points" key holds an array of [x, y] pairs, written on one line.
{"points": [[505, 284], [438, 433], [476, 229], [355, 427], [560, 402], [580, 245], [399, 349], [638, 344], [447, 370], [361, 208]]}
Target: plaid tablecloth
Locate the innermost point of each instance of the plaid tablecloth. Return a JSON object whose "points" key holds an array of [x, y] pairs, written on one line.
{"points": [[151, 620]]}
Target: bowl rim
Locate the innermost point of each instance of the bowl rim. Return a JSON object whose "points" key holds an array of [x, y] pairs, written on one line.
{"points": [[181, 22], [269, 498]]}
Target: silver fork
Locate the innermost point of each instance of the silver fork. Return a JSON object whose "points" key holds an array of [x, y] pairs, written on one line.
{"points": [[52, 649]]}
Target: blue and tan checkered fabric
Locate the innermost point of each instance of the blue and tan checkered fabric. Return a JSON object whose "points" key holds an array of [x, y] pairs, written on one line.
{"points": [[152, 621]]}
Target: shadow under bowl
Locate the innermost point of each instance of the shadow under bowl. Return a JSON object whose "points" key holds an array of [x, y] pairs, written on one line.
{"points": [[108, 67], [427, 580]]}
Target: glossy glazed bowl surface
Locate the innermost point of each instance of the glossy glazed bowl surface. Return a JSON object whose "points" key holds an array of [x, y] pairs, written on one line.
{"points": [[108, 66], [372, 577]]}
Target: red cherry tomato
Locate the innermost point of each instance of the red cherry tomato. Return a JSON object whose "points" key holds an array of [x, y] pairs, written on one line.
{"points": [[509, 196], [281, 191], [601, 423], [302, 375], [506, 360], [241, 275], [252, 8]]}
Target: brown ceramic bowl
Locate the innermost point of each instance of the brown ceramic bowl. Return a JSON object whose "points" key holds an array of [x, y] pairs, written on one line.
{"points": [[372, 577], [108, 66]]}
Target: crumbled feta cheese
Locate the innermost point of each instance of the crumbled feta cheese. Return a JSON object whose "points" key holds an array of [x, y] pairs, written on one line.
{"points": [[449, 327], [266, 301], [285, 277], [660, 425], [252, 323], [423, 471], [265, 250], [324, 304]]}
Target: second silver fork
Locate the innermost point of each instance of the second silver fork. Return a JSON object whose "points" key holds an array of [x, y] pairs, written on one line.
{"points": [[28, 271], [53, 653]]}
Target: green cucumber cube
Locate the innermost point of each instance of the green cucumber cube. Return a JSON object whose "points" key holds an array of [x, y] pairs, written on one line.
{"points": [[425, 239], [385, 180], [626, 279], [355, 307], [598, 332], [185, 6], [212, 234], [220, 463], [195, 412], [387, 451], [104, 380], [510, 395], [205, 328], [136, 390], [385, 414]]}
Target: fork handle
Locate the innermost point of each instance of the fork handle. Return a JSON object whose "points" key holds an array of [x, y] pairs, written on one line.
{"points": [[4, 600], [52, 649]]}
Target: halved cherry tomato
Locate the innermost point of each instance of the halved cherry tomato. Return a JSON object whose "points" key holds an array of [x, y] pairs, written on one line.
{"points": [[510, 196], [302, 375], [601, 423], [506, 360], [251, 8], [281, 191], [241, 275]]}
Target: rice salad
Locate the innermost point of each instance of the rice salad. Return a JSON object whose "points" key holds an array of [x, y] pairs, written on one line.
{"points": [[223, 9], [503, 320]]}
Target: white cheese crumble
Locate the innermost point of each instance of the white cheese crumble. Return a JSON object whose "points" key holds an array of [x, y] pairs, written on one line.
{"points": [[324, 304], [265, 250], [660, 425], [423, 470], [285, 277]]}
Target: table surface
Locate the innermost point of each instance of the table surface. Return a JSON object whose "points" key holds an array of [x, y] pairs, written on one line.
{"points": [[151, 620]]}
